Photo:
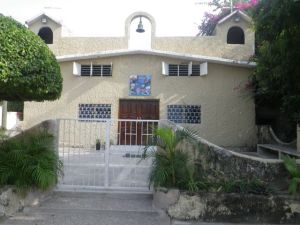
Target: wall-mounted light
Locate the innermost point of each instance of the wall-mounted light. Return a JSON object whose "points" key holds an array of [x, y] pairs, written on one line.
{"points": [[44, 20], [140, 28], [237, 19]]}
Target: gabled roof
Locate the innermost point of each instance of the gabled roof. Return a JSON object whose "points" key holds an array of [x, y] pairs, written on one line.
{"points": [[184, 56], [236, 12], [38, 17]]}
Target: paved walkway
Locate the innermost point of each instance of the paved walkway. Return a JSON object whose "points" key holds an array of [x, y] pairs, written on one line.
{"points": [[67, 208]]}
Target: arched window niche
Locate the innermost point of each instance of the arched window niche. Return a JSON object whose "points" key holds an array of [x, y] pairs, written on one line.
{"points": [[46, 35], [140, 40], [235, 35]]}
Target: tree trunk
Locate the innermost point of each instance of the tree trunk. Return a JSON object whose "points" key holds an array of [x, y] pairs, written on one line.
{"points": [[298, 137]]}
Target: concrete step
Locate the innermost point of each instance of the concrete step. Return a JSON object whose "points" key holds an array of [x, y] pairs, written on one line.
{"points": [[177, 222], [88, 217], [99, 201], [260, 155], [64, 208]]}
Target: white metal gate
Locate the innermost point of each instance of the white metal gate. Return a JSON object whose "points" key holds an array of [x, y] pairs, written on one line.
{"points": [[116, 165]]}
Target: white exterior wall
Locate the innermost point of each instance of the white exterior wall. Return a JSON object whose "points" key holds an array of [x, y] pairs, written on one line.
{"points": [[12, 120], [228, 118]]}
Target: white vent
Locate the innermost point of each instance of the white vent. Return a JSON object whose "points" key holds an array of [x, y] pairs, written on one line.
{"points": [[76, 69], [203, 69], [165, 69]]}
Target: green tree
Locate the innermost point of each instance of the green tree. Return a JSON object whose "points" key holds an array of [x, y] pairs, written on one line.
{"points": [[277, 75], [28, 69]]}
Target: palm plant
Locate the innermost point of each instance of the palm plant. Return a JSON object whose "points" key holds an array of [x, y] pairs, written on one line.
{"points": [[171, 164], [29, 161], [294, 171]]}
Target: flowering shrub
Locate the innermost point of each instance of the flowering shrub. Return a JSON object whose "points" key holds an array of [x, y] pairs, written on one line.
{"points": [[222, 9]]}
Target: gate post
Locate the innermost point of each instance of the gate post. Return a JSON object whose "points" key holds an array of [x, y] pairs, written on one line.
{"points": [[107, 139]]}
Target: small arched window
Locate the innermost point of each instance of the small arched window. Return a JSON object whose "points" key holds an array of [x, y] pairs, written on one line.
{"points": [[46, 34], [235, 35]]}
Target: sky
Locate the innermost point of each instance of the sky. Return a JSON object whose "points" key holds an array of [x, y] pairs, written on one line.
{"points": [[107, 17]]}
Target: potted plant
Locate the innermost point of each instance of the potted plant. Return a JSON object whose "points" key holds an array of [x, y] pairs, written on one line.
{"points": [[98, 144]]}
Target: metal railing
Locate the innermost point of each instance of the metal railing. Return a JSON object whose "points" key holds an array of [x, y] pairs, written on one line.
{"points": [[105, 154]]}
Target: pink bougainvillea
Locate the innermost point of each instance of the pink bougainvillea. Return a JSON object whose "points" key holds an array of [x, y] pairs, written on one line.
{"points": [[245, 5], [222, 9]]}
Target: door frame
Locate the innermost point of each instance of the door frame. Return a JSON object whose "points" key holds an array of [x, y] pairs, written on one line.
{"points": [[139, 99], [136, 126]]}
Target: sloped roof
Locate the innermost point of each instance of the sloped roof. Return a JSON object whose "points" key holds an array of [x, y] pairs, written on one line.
{"points": [[184, 56], [38, 17], [236, 12]]}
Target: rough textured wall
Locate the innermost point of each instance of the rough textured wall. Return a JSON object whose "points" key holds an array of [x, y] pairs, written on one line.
{"points": [[228, 118], [81, 45], [237, 208], [215, 46], [212, 46], [218, 163], [207, 46], [13, 201]]}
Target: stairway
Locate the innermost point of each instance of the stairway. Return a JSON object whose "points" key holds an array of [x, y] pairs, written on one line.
{"points": [[74, 208]]}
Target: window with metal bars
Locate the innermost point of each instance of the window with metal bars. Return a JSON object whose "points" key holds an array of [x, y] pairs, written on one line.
{"points": [[195, 70], [94, 111], [101, 70], [178, 70], [96, 70], [184, 113], [183, 70], [85, 70]]}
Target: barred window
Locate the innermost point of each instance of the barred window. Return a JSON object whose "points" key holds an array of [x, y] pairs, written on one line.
{"points": [[94, 111], [184, 113], [85, 70], [101, 70], [178, 70], [92, 69]]}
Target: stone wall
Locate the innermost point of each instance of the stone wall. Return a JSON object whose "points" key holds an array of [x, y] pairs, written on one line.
{"points": [[237, 208], [13, 200], [212, 160]]}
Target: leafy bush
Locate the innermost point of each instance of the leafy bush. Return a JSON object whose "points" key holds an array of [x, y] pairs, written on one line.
{"points": [[15, 106], [294, 170], [171, 167], [28, 69], [29, 161], [243, 186], [276, 75]]}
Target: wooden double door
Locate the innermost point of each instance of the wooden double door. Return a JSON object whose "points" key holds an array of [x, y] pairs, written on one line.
{"points": [[134, 127]]}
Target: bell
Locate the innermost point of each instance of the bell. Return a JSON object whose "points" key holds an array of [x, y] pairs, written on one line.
{"points": [[140, 28]]}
